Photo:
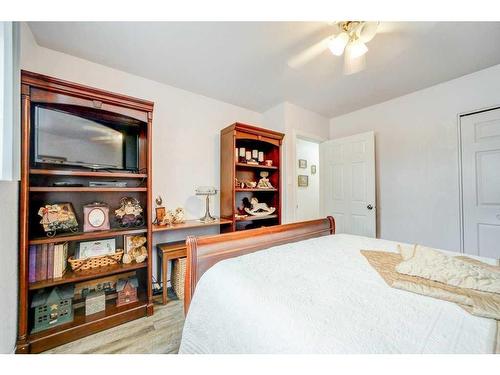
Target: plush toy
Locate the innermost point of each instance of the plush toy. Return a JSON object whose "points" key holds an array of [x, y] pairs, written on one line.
{"points": [[136, 251]]}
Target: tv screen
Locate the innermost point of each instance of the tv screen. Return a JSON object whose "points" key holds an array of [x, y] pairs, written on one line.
{"points": [[64, 138]]}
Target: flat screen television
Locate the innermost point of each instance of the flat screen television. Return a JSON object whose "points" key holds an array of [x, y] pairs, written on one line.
{"points": [[65, 138]]}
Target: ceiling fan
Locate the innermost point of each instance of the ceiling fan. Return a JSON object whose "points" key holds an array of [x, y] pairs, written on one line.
{"points": [[349, 39]]}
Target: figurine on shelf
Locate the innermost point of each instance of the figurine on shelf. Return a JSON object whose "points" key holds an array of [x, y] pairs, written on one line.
{"points": [[264, 182], [58, 217], [130, 213], [178, 216], [251, 184], [135, 250], [159, 210], [259, 209]]}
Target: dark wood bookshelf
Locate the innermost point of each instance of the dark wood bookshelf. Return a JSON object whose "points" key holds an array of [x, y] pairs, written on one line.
{"points": [[37, 189], [78, 236], [259, 166], [254, 218], [85, 173], [255, 189], [84, 189], [250, 137], [79, 276]]}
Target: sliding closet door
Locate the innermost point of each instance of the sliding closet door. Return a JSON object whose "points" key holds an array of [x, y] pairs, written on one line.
{"points": [[347, 180], [480, 142]]}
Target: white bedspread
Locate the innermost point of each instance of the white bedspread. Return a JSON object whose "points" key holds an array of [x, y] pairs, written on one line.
{"points": [[322, 296]]}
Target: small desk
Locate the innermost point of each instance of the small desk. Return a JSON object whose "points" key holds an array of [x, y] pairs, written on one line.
{"points": [[167, 252], [174, 250]]}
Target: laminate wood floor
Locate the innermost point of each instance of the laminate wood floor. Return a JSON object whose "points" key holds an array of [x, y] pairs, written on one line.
{"points": [[160, 333]]}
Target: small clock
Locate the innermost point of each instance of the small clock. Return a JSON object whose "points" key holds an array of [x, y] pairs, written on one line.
{"points": [[96, 217]]}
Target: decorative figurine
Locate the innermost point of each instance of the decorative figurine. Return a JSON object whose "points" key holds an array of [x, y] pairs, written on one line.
{"points": [[159, 210], [135, 249], [58, 217], [259, 209], [264, 182], [52, 308], [178, 216], [130, 213], [127, 291]]}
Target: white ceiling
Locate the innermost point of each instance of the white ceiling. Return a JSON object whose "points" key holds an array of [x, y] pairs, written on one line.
{"points": [[245, 63]]}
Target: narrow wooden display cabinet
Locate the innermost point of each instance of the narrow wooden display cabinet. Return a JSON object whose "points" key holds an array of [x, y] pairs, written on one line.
{"points": [[250, 179], [62, 125]]}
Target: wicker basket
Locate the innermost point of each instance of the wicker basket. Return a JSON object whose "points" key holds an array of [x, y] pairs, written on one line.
{"points": [[178, 273], [95, 262]]}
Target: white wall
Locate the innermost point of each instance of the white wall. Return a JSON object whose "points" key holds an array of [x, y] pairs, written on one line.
{"points": [[417, 156], [293, 121], [8, 264], [307, 196]]}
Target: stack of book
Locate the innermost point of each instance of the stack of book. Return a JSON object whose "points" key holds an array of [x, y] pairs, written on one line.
{"points": [[47, 261]]}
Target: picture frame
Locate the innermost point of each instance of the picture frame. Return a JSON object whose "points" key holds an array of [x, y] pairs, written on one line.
{"points": [[303, 180], [95, 217], [127, 243], [302, 163], [96, 248], [313, 169]]}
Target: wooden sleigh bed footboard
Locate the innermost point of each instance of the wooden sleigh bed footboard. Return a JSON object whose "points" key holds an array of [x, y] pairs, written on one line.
{"points": [[204, 252]]}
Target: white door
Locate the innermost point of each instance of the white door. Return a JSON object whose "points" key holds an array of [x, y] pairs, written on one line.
{"points": [[348, 183], [480, 135]]}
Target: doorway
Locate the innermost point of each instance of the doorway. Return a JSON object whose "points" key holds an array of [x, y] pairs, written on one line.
{"points": [[307, 182], [479, 137]]}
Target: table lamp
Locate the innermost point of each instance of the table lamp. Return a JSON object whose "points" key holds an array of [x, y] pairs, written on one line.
{"points": [[208, 191]]}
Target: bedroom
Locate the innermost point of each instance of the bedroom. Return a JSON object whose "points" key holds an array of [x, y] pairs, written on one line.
{"points": [[217, 117]]}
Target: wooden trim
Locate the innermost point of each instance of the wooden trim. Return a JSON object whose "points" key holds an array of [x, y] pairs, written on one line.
{"points": [[204, 252], [189, 224], [66, 87], [252, 129], [85, 173]]}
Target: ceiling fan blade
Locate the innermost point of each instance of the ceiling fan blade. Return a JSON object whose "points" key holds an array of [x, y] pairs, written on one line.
{"points": [[353, 64], [308, 54]]}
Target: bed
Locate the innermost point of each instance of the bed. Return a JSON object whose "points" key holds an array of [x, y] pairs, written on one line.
{"points": [[299, 288]]}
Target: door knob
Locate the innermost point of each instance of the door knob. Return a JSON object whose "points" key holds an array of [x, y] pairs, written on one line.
{"points": [[370, 207]]}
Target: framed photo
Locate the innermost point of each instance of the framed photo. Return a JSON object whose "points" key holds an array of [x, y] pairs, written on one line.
{"points": [[303, 180], [127, 243], [96, 217], [96, 248], [302, 163], [313, 169]]}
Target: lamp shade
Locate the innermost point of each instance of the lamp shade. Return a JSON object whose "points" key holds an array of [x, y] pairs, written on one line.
{"points": [[338, 44], [356, 49]]}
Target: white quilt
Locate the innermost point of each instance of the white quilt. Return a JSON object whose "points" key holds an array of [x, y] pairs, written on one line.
{"points": [[322, 296]]}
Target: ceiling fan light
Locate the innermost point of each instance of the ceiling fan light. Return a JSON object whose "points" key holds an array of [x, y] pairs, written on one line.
{"points": [[338, 44], [356, 49]]}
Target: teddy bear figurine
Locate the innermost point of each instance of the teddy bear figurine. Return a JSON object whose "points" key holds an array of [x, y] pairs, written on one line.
{"points": [[136, 251]]}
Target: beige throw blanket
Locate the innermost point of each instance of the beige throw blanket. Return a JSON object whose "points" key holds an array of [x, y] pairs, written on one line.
{"points": [[476, 302]]}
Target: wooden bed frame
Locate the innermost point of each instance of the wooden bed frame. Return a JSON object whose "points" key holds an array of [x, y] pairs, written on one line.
{"points": [[204, 252]]}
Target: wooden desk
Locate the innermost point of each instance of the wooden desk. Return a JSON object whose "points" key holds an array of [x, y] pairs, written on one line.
{"points": [[174, 250], [167, 252]]}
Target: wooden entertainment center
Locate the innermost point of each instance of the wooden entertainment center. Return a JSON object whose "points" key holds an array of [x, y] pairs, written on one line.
{"points": [[38, 188]]}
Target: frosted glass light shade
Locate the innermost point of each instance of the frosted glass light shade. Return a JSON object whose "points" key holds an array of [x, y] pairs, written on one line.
{"points": [[356, 49], [338, 44]]}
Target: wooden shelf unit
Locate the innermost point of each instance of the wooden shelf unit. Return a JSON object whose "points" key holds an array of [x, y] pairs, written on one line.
{"points": [[252, 138], [37, 189]]}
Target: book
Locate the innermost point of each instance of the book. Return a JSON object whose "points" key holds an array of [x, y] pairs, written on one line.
{"points": [[43, 265], [38, 263], [57, 260], [50, 261], [32, 264], [64, 258]]}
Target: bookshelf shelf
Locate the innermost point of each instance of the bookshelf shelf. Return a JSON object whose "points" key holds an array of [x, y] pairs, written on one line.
{"points": [[78, 236], [75, 277]]}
